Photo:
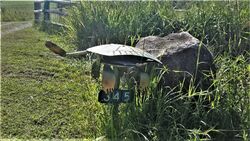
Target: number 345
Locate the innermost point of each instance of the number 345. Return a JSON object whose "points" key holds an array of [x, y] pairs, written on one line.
{"points": [[116, 97]]}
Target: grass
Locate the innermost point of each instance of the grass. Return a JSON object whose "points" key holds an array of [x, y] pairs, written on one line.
{"points": [[43, 96], [172, 114], [17, 11], [218, 24]]}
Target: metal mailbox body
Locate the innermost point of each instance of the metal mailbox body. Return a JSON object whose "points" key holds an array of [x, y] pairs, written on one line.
{"points": [[116, 55]]}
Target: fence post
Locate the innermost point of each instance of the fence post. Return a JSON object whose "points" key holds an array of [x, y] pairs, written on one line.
{"points": [[59, 6], [37, 8], [46, 13]]}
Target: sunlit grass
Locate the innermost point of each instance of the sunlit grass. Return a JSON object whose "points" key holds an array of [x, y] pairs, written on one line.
{"points": [[43, 96]]}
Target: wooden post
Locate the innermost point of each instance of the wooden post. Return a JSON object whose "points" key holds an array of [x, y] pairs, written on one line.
{"points": [[37, 10], [46, 13], [60, 6], [115, 110]]}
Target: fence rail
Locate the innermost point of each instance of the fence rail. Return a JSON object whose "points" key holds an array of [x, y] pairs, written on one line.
{"points": [[43, 8]]}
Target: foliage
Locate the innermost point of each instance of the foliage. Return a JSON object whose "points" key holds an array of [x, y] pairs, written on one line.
{"points": [[222, 25], [218, 114], [42, 98], [172, 114], [16, 11], [94, 22]]}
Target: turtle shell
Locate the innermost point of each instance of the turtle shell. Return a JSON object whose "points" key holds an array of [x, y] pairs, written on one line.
{"points": [[118, 54]]}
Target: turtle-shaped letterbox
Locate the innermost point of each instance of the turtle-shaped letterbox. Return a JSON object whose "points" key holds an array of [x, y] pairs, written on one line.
{"points": [[116, 58]]}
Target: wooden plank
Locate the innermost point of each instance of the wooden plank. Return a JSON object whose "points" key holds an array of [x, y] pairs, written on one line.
{"points": [[56, 11], [38, 11], [38, 1], [54, 1], [46, 14], [60, 1], [47, 11]]}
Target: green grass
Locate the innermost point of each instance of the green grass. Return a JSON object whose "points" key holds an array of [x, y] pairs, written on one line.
{"points": [[43, 96], [218, 24], [222, 25], [17, 10]]}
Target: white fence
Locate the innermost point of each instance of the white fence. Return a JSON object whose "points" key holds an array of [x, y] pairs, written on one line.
{"points": [[50, 11]]}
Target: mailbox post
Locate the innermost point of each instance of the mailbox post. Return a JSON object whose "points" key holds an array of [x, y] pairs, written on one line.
{"points": [[115, 110]]}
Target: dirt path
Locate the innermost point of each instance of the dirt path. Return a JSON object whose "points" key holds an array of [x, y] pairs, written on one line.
{"points": [[9, 27]]}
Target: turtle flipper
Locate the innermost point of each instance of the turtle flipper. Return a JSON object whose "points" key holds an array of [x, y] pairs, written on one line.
{"points": [[58, 50], [55, 48]]}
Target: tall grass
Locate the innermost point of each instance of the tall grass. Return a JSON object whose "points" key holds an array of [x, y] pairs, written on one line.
{"points": [[173, 114], [222, 24], [94, 23]]}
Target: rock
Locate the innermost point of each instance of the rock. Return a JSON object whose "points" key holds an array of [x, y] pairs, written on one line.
{"points": [[185, 57]]}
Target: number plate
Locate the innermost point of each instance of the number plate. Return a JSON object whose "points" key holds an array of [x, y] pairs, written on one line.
{"points": [[117, 96]]}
